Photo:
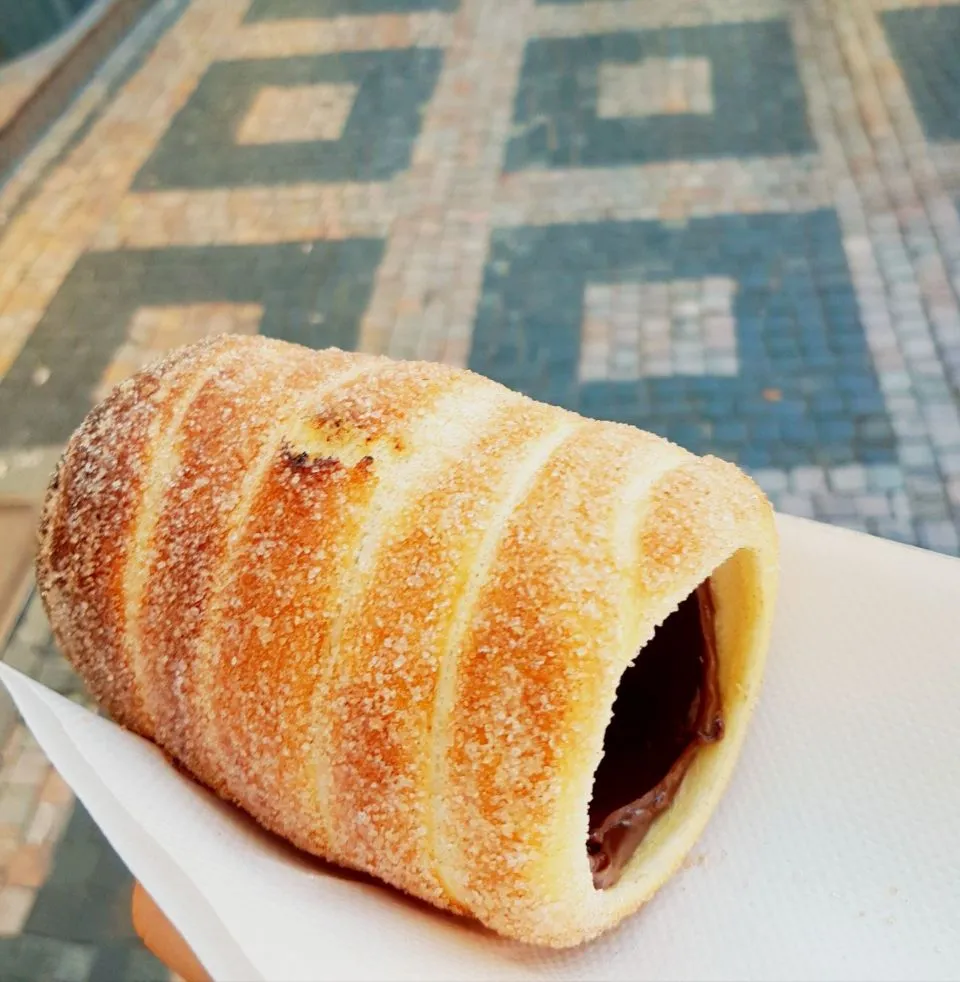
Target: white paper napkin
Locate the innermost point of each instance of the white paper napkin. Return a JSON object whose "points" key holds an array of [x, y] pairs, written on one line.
{"points": [[835, 853]]}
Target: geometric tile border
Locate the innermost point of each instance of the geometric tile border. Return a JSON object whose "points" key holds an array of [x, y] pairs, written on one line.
{"points": [[805, 390], [558, 122], [200, 148]]}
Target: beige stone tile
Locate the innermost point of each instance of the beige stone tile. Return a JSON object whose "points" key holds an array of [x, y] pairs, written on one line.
{"points": [[296, 114], [591, 194], [16, 903], [28, 866], [48, 822], [456, 351], [473, 111], [288, 38], [153, 331], [254, 215], [18, 804], [11, 749], [11, 840], [56, 791], [18, 523], [30, 768]]}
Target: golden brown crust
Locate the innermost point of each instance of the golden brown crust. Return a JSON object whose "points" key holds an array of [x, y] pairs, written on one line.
{"points": [[219, 442], [87, 526], [264, 668], [385, 608], [553, 593], [394, 645], [271, 657]]}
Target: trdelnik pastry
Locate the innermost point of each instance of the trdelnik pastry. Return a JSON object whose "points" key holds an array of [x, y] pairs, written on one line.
{"points": [[496, 654]]}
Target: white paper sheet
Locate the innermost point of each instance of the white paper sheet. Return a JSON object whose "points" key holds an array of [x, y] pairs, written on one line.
{"points": [[835, 853]]}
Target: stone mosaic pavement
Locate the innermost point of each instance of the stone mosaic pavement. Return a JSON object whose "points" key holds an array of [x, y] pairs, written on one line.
{"points": [[734, 222]]}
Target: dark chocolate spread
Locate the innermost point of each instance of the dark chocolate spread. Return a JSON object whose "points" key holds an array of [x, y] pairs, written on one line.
{"points": [[668, 706]]}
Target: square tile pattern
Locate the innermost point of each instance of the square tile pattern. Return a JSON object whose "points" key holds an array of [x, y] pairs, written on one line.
{"points": [[654, 87], [602, 100], [297, 114], [655, 330], [201, 149], [797, 331]]}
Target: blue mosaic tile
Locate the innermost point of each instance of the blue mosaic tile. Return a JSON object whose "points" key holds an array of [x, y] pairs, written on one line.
{"points": [[28, 958], [291, 9], [926, 44], [312, 294], [199, 150], [756, 111], [827, 410], [86, 898]]}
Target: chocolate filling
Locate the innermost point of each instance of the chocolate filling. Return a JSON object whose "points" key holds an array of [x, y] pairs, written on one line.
{"points": [[667, 707]]}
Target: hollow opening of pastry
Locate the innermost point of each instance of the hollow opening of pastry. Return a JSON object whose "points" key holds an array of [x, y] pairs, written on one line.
{"points": [[667, 708]]}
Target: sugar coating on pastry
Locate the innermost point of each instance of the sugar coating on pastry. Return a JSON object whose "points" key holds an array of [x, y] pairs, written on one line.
{"points": [[385, 607]]}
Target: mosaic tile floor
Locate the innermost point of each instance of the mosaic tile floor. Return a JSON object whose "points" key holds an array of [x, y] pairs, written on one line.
{"points": [[734, 222]]}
